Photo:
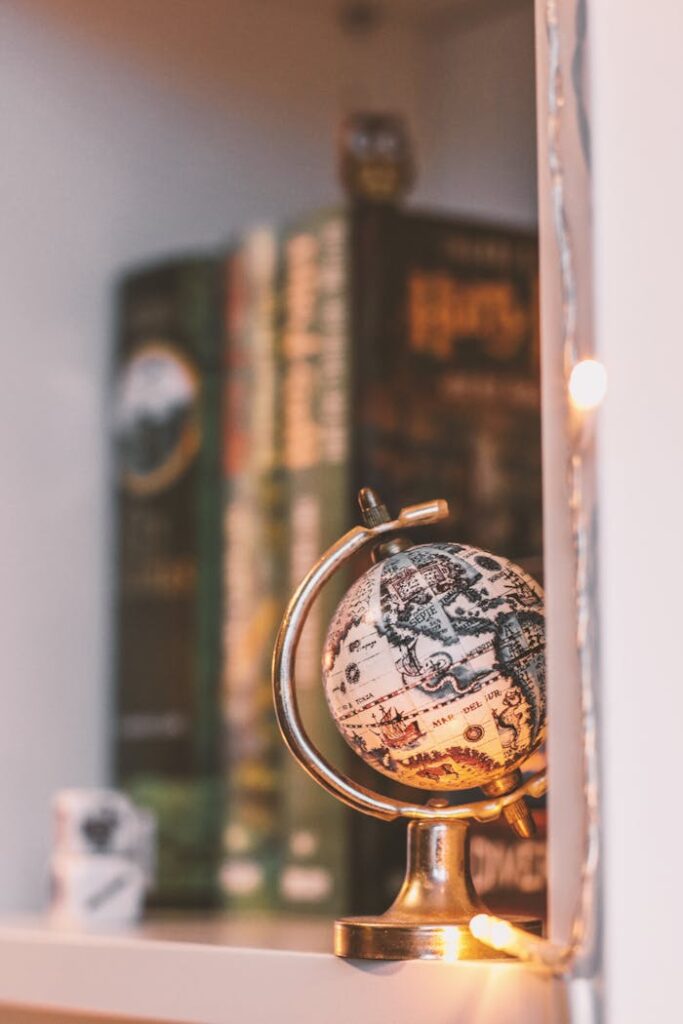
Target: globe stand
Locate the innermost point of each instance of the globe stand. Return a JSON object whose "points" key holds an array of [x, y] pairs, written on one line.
{"points": [[429, 918]]}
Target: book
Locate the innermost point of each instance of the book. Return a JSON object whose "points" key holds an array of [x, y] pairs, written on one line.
{"points": [[446, 389], [315, 398], [168, 538], [446, 373], [510, 873], [254, 576]]}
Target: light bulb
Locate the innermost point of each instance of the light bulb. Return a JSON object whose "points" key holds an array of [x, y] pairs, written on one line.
{"points": [[493, 931], [501, 935], [587, 384]]}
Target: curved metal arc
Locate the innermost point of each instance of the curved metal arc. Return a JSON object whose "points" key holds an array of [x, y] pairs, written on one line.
{"points": [[287, 709], [284, 693]]}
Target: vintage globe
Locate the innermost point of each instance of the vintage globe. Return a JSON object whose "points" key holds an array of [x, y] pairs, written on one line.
{"points": [[434, 667]]}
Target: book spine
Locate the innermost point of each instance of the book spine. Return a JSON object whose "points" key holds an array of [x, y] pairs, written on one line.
{"points": [[254, 576], [315, 339], [168, 539]]}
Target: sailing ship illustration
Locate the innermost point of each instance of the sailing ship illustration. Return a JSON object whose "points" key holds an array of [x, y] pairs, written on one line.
{"points": [[395, 732]]}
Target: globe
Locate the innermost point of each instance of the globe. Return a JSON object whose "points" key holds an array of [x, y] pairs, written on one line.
{"points": [[434, 667]]}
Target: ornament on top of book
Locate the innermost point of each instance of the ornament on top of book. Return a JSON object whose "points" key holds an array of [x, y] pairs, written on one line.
{"points": [[376, 162], [434, 672]]}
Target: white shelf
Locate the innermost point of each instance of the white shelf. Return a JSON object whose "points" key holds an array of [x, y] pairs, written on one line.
{"points": [[219, 973]]}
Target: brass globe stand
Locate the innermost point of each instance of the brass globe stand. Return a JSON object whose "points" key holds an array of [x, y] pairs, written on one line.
{"points": [[430, 916]]}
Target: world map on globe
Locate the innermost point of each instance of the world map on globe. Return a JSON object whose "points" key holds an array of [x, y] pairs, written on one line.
{"points": [[434, 666]]}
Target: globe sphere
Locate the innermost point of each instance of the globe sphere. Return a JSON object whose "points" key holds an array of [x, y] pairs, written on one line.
{"points": [[434, 667]]}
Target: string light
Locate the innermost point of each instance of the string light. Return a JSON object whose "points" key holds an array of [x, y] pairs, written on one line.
{"points": [[587, 384], [494, 932], [501, 935]]}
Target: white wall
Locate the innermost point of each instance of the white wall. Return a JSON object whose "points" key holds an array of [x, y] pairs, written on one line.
{"points": [[478, 106], [624, 214], [638, 204], [131, 128]]}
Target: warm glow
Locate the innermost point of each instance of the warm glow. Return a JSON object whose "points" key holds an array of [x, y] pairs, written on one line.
{"points": [[493, 931], [587, 384], [501, 935], [452, 944]]}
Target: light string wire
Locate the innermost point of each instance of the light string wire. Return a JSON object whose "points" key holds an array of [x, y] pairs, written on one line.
{"points": [[580, 957]]}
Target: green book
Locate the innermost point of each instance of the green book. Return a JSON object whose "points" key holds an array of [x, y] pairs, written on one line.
{"points": [[168, 539], [254, 574], [315, 866]]}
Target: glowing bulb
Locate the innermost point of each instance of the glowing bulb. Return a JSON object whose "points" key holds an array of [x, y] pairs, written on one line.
{"points": [[452, 945], [493, 931], [479, 926], [501, 935], [587, 384]]}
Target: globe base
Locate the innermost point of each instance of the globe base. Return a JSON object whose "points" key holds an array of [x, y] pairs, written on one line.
{"points": [[429, 919]]}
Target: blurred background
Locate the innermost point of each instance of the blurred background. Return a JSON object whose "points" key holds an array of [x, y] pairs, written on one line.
{"points": [[143, 134]]}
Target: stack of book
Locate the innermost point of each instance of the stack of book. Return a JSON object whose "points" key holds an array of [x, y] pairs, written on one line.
{"points": [[256, 391]]}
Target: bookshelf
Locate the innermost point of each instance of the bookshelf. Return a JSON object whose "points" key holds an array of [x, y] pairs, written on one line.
{"points": [[140, 128]]}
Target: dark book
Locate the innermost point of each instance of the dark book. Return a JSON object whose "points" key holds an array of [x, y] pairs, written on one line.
{"points": [[168, 539], [446, 373], [509, 873]]}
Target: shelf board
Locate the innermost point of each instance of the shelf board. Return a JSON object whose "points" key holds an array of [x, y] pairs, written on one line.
{"points": [[220, 972]]}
